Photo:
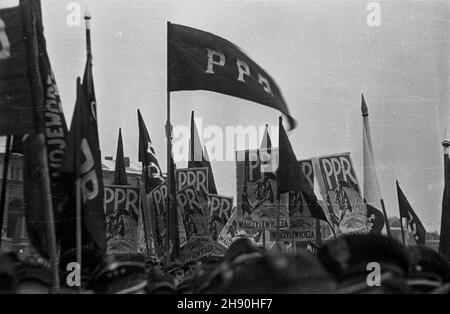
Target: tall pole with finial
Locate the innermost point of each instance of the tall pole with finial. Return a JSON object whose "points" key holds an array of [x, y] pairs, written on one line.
{"points": [[87, 19], [372, 192], [169, 159], [444, 240]]}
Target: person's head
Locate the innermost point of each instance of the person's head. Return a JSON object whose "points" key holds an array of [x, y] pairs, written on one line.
{"points": [[351, 258], [428, 270], [32, 278], [161, 284], [119, 277]]}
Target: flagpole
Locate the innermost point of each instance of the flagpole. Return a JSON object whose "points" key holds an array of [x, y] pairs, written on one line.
{"points": [[169, 154], [78, 223], [87, 19], [366, 129], [278, 221], [403, 231], [318, 233], [4, 182], [388, 227], [400, 214]]}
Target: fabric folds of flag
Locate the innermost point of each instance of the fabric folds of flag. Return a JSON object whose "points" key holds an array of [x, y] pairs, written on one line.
{"points": [[198, 156], [82, 163], [50, 126], [444, 243], [413, 221], [198, 60], [291, 177], [120, 174], [150, 167]]}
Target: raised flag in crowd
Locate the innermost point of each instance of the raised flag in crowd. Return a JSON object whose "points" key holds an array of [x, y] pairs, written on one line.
{"points": [[151, 171], [82, 165], [412, 220], [30, 104]]}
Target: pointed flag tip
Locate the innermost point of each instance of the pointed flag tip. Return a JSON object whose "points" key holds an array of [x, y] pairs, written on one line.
{"points": [[364, 110]]}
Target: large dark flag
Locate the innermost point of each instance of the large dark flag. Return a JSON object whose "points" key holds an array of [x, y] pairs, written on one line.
{"points": [[291, 177], [199, 60], [16, 101], [444, 243], [49, 139], [198, 157], [82, 160], [413, 221], [150, 167], [120, 174]]}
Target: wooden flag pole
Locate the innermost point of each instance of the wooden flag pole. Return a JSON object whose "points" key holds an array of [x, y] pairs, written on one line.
{"points": [[4, 182], [278, 222], [403, 231], [169, 155], [79, 239]]}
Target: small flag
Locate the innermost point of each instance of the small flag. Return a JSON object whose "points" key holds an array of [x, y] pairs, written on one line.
{"points": [[291, 177], [120, 174], [82, 162], [150, 167], [413, 221], [173, 227], [199, 60], [198, 156]]}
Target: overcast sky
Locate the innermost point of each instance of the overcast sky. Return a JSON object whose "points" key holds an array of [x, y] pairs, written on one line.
{"points": [[322, 54]]}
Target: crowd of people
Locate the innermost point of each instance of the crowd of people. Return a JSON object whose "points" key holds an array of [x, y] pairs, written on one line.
{"points": [[352, 264]]}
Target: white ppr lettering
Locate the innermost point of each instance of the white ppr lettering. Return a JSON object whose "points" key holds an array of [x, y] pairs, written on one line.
{"points": [[212, 62], [265, 83], [347, 170], [5, 47], [243, 69]]}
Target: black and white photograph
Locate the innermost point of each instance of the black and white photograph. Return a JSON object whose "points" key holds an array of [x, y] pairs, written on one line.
{"points": [[209, 149]]}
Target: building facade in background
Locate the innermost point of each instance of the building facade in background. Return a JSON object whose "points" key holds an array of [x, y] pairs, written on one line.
{"points": [[13, 232]]}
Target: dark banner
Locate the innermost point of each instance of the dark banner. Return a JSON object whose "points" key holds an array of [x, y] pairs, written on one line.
{"points": [[200, 60]]}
